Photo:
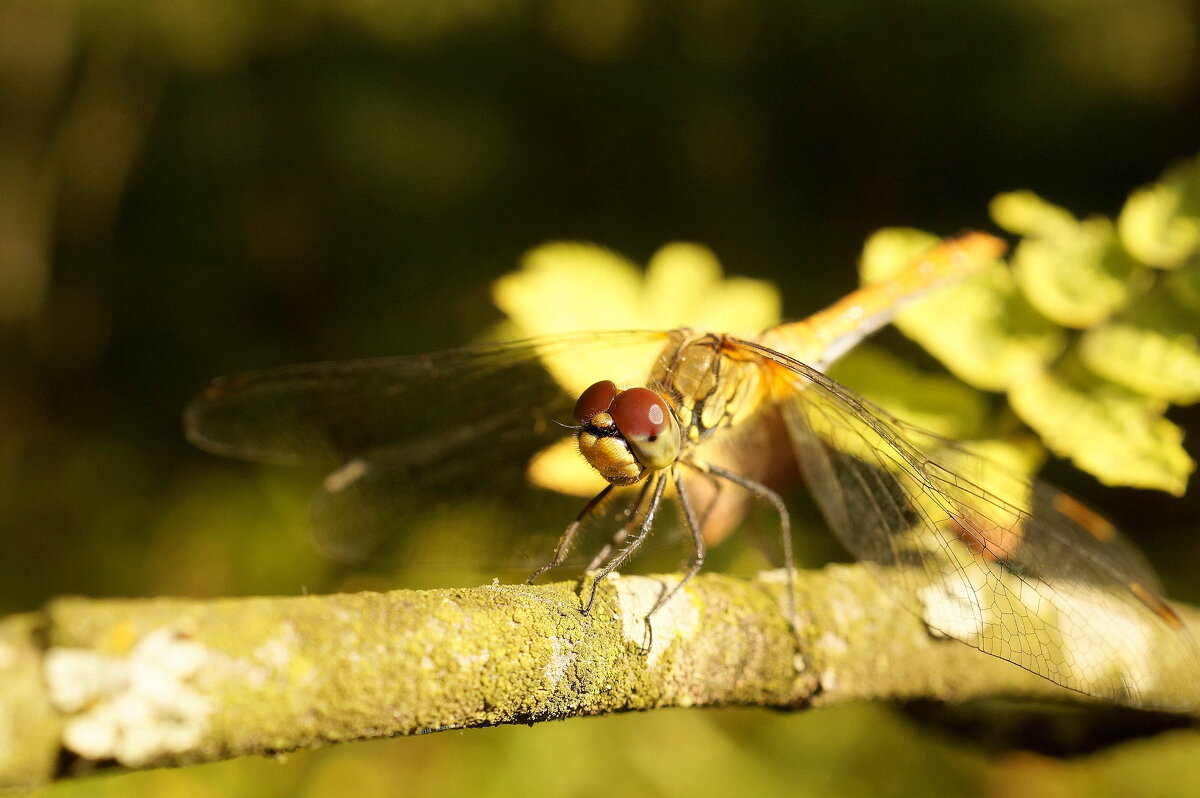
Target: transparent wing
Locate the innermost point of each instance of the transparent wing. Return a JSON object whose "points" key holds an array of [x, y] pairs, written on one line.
{"points": [[1017, 569], [335, 410], [405, 434]]}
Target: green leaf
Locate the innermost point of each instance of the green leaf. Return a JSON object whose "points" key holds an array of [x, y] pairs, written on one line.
{"points": [[934, 402], [1027, 214], [1109, 431], [1075, 273], [1154, 352], [890, 250], [1184, 287], [1160, 223], [944, 406], [982, 329]]}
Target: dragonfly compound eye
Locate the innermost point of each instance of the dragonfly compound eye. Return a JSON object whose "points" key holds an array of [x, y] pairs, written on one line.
{"points": [[624, 434], [595, 399], [648, 425]]}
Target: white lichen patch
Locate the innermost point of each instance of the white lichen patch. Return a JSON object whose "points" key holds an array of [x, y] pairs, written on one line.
{"points": [[561, 658], [472, 663], [678, 618], [773, 576], [832, 645], [952, 611], [135, 708], [276, 651]]}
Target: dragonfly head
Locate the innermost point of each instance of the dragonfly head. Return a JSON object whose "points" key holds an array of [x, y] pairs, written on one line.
{"points": [[625, 434]]}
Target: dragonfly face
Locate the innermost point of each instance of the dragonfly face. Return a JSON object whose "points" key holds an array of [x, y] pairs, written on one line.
{"points": [[1014, 568], [701, 384], [626, 434]]}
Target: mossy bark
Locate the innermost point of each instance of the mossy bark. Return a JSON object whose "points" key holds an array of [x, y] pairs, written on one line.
{"points": [[90, 684]]}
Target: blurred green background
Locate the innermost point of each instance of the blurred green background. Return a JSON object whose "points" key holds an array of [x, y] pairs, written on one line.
{"points": [[192, 187]]}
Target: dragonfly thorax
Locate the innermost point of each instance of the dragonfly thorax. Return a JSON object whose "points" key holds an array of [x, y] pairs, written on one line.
{"points": [[711, 383], [626, 434]]}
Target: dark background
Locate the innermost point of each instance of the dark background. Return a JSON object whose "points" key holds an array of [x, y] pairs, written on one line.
{"points": [[192, 187]]}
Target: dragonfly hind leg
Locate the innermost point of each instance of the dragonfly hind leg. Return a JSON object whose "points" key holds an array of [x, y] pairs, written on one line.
{"points": [[764, 493]]}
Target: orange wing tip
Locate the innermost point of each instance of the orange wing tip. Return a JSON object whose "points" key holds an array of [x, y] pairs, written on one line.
{"points": [[1088, 519], [1156, 605]]}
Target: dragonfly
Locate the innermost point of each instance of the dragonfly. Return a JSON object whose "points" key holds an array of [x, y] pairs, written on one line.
{"points": [[1013, 567]]}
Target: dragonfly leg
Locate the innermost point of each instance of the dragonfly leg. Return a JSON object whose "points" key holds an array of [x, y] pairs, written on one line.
{"points": [[635, 513], [568, 536], [660, 485], [785, 523], [712, 503], [699, 550]]}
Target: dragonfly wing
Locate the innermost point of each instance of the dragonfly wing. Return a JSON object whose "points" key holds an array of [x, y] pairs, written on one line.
{"points": [[402, 433], [334, 411], [1015, 568]]}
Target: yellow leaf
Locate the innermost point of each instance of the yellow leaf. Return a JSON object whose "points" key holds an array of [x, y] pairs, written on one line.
{"points": [[982, 329], [1077, 281], [1155, 353], [1027, 214], [1075, 273], [684, 286], [567, 287], [934, 402], [1119, 436], [1160, 223]]}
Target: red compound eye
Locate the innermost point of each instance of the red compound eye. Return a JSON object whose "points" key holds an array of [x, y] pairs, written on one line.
{"points": [[648, 426], [595, 399], [641, 414]]}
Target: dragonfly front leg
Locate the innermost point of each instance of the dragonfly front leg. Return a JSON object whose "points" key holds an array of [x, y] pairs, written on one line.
{"points": [[699, 549], [637, 509], [568, 536], [660, 485]]}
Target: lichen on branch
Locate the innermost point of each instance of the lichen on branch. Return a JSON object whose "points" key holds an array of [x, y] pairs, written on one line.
{"points": [[156, 682]]}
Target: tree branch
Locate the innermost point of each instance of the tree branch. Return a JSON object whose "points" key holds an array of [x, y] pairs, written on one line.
{"points": [[88, 684]]}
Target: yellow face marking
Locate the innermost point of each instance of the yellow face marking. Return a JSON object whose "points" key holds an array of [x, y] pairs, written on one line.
{"points": [[602, 420], [611, 457]]}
